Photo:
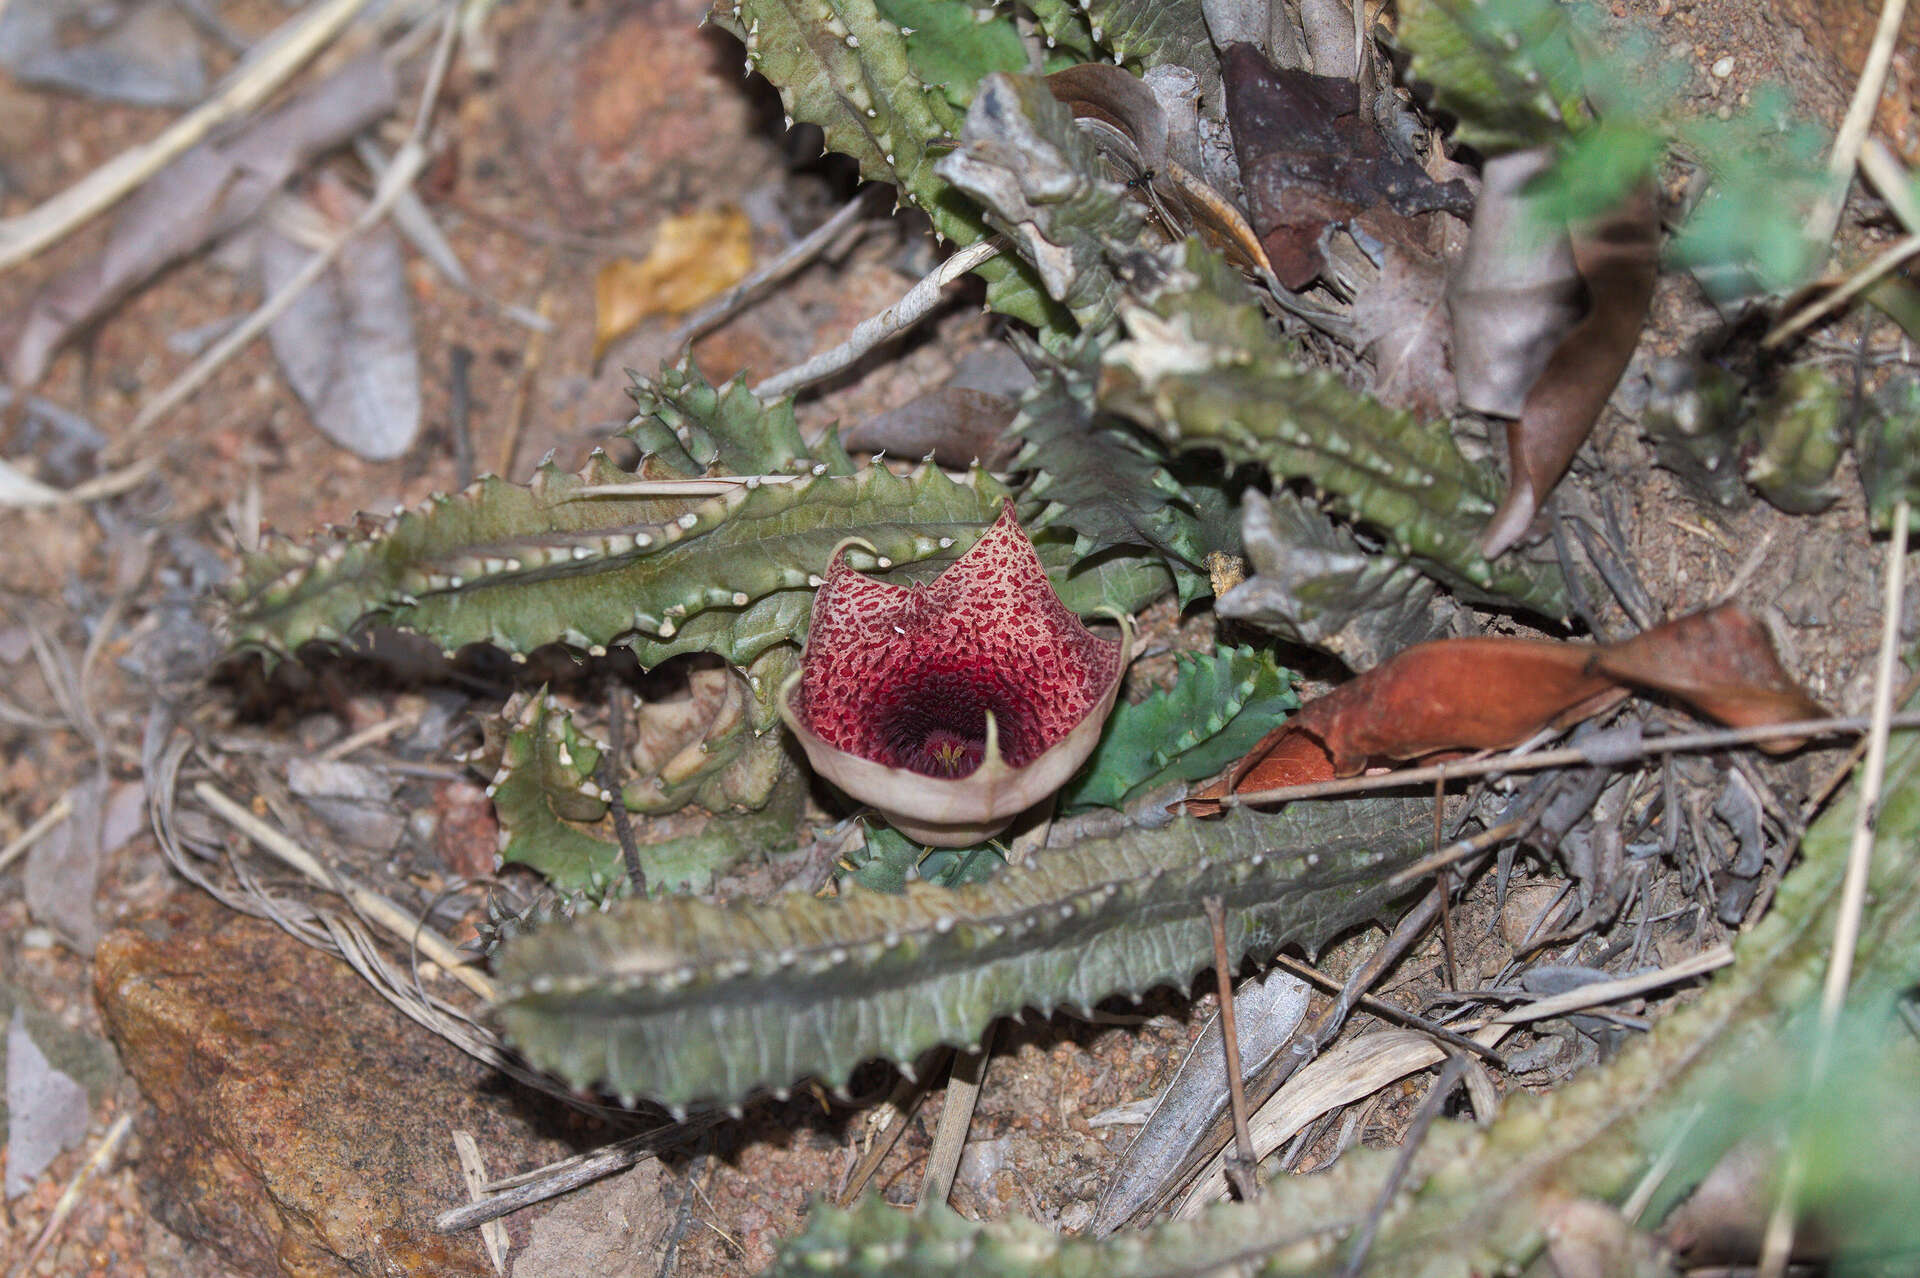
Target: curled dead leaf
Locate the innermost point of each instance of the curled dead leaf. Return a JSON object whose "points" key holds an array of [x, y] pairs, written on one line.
{"points": [[1617, 258], [1448, 696]]}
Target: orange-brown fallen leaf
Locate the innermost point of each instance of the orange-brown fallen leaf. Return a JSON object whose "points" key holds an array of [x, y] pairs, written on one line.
{"points": [[1457, 695], [695, 257]]}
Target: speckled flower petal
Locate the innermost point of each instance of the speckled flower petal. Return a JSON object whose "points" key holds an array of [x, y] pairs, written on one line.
{"points": [[952, 707]]}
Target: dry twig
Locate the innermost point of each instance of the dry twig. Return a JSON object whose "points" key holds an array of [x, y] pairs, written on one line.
{"points": [[253, 81], [70, 1196], [1243, 1168], [917, 303]]}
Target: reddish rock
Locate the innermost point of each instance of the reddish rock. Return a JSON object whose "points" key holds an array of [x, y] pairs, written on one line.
{"points": [[302, 1127], [467, 835]]}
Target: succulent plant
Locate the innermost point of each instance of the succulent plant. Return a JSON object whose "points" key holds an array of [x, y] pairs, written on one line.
{"points": [[1163, 365]]}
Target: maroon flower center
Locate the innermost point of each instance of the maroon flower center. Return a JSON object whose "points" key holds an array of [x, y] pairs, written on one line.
{"points": [[936, 721]]}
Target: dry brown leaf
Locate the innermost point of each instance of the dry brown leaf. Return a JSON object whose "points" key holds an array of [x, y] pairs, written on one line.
{"points": [[1515, 290], [1311, 158], [1402, 315], [202, 195], [695, 256], [346, 345], [1438, 699], [1618, 257]]}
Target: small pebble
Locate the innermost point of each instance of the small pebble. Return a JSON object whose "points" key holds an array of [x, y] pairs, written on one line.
{"points": [[38, 938], [1723, 68]]}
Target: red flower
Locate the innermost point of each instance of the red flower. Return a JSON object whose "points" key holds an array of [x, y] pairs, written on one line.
{"points": [[954, 706]]}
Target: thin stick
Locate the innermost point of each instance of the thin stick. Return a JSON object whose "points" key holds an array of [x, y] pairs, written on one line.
{"points": [[375, 907], [710, 485], [62, 809], [549, 1182], [1602, 992], [1243, 1169], [285, 52], [368, 736], [1844, 769], [437, 70], [1889, 177], [901, 1103], [918, 302], [26, 492], [1863, 279], [1859, 118], [1853, 889], [1444, 876], [956, 1115], [70, 1196], [1678, 743], [532, 358], [751, 289], [1390, 1012], [617, 804], [407, 163], [1776, 1244], [682, 1215], [1458, 852]]}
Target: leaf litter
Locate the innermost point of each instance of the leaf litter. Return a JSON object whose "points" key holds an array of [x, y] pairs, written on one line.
{"points": [[1323, 582]]}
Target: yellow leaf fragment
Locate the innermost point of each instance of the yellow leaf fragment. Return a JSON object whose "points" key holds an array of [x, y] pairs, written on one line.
{"points": [[695, 256]]}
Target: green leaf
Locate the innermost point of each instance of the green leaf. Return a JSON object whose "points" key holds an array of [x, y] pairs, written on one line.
{"points": [[889, 860], [1201, 363], [952, 44], [1219, 706], [684, 1000], [1508, 70], [521, 567], [698, 429], [1103, 478]]}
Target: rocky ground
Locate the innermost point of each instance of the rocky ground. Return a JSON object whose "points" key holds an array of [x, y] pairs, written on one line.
{"points": [[255, 1106]]}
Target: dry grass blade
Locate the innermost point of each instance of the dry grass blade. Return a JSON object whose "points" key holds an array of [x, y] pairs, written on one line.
{"points": [[473, 1170], [20, 491], [1777, 1244], [1859, 118], [62, 808], [70, 1196], [896, 1110], [513, 1193], [378, 908], [1351, 1071], [253, 82], [956, 1116]]}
